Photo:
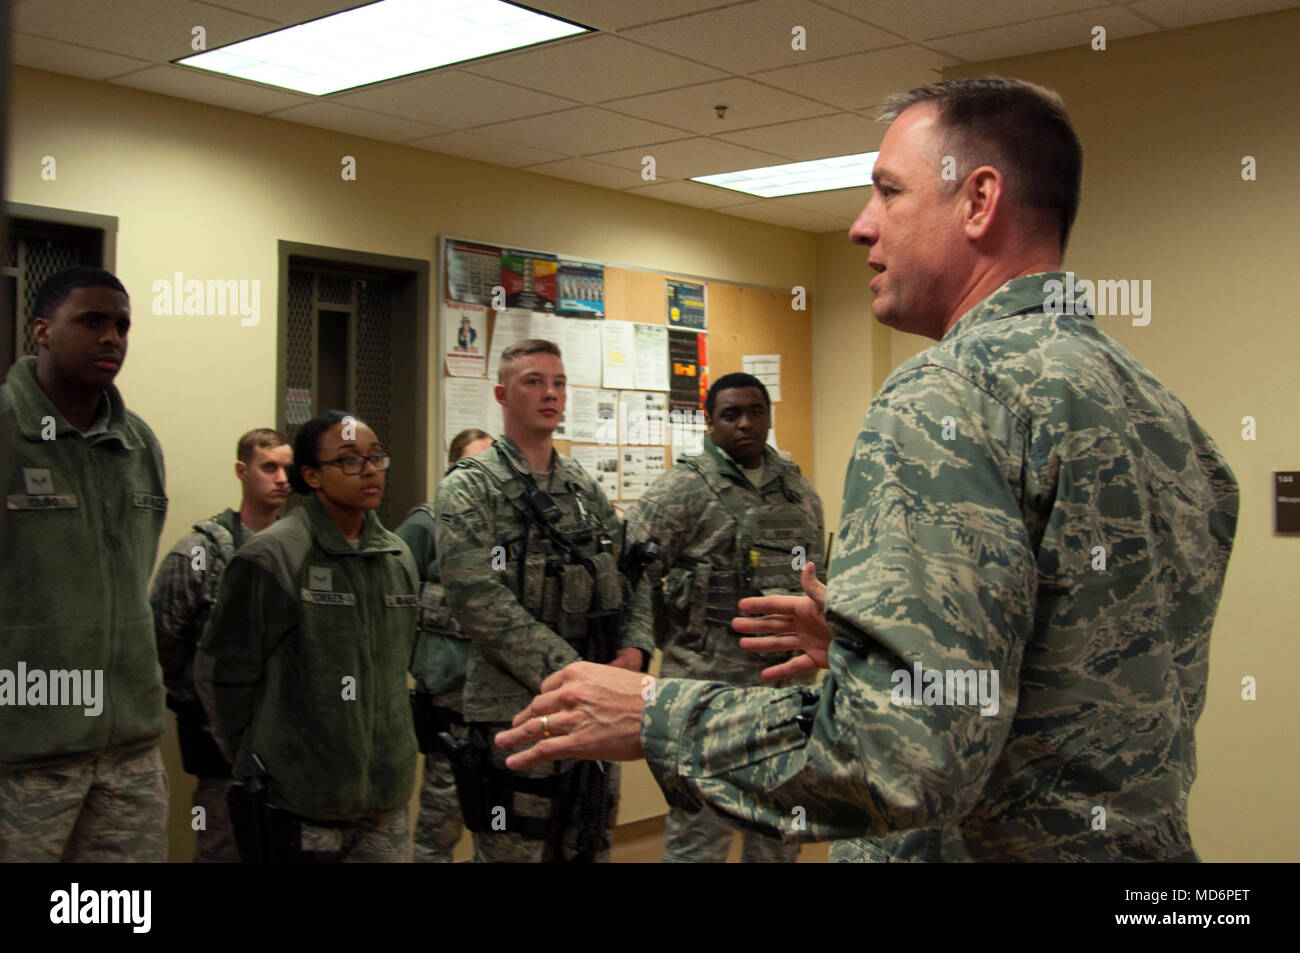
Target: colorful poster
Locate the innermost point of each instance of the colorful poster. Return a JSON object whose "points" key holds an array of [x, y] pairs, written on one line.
{"points": [[687, 356], [465, 339], [529, 279], [472, 272], [686, 306], [580, 289]]}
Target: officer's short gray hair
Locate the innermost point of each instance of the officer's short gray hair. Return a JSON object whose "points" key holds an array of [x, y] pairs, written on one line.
{"points": [[1019, 128], [523, 349]]}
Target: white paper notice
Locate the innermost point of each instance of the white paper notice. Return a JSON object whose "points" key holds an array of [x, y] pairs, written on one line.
{"points": [[642, 417], [467, 403], [767, 368], [548, 327], [771, 434], [651, 356], [582, 352], [511, 325], [619, 354], [602, 464], [631, 474], [465, 339]]}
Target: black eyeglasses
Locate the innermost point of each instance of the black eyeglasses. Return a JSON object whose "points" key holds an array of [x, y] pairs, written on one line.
{"points": [[353, 464]]}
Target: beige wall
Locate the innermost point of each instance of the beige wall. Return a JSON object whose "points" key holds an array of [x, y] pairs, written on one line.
{"points": [[1165, 121], [209, 191]]}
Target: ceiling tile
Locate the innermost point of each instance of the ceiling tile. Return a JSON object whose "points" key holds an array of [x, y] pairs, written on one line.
{"points": [[839, 135], [184, 83], [584, 130], [452, 98], [844, 205], [357, 122], [748, 104], [287, 11], [692, 193], [758, 35], [57, 57], [621, 14], [155, 30], [922, 19], [1179, 13], [594, 68], [592, 173], [472, 146], [691, 157], [1053, 33], [775, 214], [857, 82]]}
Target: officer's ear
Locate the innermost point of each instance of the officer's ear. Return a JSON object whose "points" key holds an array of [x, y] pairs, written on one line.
{"points": [[41, 331]]}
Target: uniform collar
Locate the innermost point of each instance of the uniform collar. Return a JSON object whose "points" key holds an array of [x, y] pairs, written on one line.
{"points": [[374, 538], [1029, 294], [32, 405], [722, 462]]}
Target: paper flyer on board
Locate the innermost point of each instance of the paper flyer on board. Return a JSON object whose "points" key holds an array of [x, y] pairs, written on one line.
{"points": [[619, 350], [651, 342], [582, 352]]}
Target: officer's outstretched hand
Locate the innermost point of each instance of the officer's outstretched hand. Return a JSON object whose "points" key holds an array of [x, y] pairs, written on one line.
{"points": [[788, 623], [592, 712]]}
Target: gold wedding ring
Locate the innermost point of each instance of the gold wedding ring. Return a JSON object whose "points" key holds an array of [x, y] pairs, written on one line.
{"points": [[546, 731]]}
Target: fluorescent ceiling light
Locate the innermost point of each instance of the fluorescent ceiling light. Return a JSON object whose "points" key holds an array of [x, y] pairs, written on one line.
{"points": [[796, 178], [381, 41]]}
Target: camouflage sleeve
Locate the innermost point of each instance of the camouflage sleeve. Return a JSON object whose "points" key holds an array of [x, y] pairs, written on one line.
{"points": [[933, 568], [638, 627], [651, 518], [252, 615], [176, 599], [417, 532], [483, 605]]}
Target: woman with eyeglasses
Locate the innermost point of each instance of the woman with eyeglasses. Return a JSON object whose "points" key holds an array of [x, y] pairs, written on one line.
{"points": [[303, 664]]}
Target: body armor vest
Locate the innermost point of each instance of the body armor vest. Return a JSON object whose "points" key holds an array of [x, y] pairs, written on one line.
{"points": [[762, 560], [562, 571]]}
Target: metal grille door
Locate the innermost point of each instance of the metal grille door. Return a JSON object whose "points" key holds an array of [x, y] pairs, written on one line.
{"points": [[342, 325]]}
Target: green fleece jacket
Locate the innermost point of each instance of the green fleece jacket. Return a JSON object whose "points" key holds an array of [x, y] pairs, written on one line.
{"points": [[78, 666], [304, 664]]}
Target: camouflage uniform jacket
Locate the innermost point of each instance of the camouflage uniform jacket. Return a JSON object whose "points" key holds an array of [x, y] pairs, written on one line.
{"points": [[183, 595], [989, 470], [441, 649], [686, 512], [479, 510], [304, 660]]}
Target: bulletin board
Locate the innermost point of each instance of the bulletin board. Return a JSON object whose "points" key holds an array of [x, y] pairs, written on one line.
{"points": [[741, 321]]}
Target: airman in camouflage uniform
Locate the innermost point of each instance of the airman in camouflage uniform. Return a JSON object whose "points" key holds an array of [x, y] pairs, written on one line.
{"points": [[184, 591], [502, 576], [1025, 500], [734, 520]]}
